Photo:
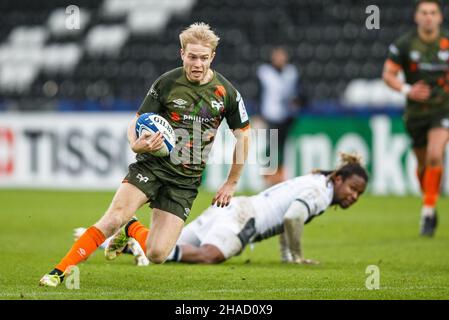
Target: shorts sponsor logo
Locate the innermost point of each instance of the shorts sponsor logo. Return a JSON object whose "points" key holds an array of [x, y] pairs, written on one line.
{"points": [[186, 212], [142, 178]]}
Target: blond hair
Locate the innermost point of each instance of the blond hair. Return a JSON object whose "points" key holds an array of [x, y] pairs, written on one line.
{"points": [[199, 33]]}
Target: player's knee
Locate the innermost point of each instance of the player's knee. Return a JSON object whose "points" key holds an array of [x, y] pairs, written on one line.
{"points": [[212, 259], [156, 256], [211, 256]]}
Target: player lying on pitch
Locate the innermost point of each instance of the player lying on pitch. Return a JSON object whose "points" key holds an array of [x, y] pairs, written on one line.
{"points": [[221, 233]]}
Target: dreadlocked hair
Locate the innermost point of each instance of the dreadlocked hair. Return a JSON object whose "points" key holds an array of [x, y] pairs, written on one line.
{"points": [[350, 164]]}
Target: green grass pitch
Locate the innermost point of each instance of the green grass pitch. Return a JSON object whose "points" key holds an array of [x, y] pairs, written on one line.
{"points": [[36, 231]]}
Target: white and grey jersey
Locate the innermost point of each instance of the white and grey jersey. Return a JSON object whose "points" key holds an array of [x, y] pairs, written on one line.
{"points": [[271, 205]]}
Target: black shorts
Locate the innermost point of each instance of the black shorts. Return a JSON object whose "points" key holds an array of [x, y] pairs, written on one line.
{"points": [[418, 127], [165, 190]]}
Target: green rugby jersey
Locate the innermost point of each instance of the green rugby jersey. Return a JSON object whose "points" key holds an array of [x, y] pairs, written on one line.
{"points": [[428, 62], [195, 112]]}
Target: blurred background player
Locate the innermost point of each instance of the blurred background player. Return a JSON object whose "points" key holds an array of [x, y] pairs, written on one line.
{"points": [[221, 233], [279, 102], [171, 187], [423, 55]]}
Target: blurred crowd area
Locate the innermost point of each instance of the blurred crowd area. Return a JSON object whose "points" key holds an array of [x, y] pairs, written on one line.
{"points": [[121, 47]]}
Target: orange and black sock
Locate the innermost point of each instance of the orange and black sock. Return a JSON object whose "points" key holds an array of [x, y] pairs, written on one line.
{"points": [[91, 239], [139, 232], [431, 185]]}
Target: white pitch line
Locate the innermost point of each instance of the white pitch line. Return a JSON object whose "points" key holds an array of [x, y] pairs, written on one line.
{"points": [[302, 290]]}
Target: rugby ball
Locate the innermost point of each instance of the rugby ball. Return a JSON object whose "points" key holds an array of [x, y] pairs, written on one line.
{"points": [[154, 123]]}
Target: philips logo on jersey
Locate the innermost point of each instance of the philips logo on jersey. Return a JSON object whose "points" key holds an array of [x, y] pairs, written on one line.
{"points": [[197, 119]]}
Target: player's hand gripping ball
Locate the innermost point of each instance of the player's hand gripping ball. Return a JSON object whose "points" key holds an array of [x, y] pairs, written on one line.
{"points": [[154, 123]]}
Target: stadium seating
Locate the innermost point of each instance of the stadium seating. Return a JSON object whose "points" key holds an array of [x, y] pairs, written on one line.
{"points": [[122, 46]]}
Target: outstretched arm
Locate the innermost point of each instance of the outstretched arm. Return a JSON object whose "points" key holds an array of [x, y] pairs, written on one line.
{"points": [[294, 220]]}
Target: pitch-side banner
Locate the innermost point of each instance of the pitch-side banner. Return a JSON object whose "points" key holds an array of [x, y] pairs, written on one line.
{"points": [[70, 151], [90, 151]]}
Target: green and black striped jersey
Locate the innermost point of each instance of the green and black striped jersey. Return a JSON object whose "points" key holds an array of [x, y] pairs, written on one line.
{"points": [[424, 61], [195, 112]]}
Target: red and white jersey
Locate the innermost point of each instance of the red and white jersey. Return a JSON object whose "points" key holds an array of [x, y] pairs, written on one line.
{"points": [[271, 205]]}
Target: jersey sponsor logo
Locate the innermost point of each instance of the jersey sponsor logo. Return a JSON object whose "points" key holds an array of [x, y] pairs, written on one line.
{"points": [[242, 109], [175, 116], [180, 103], [197, 118], [142, 178]]}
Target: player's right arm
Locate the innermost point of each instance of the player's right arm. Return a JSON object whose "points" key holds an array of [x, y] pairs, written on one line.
{"points": [[419, 91], [294, 220], [147, 142]]}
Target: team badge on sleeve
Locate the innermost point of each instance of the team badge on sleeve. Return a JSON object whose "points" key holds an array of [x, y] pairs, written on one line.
{"points": [[242, 109]]}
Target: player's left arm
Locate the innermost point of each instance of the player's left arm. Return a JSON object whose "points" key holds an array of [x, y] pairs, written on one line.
{"points": [[294, 220], [225, 193], [238, 120]]}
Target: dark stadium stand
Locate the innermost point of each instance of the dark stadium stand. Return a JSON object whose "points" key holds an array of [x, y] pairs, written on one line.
{"points": [[121, 48]]}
